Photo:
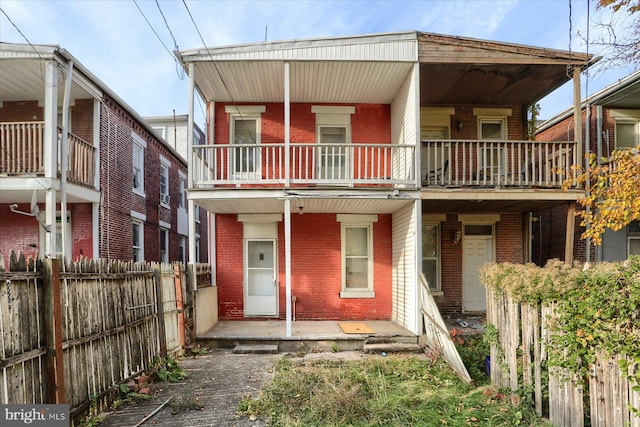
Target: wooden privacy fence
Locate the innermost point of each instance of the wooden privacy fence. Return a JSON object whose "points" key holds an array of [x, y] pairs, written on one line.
{"points": [[518, 358], [70, 332]]}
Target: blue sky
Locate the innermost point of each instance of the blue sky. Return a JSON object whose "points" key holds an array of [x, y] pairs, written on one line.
{"points": [[113, 40]]}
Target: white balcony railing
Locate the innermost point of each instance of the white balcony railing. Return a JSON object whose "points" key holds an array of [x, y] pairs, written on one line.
{"points": [[21, 152], [309, 164], [460, 163]]}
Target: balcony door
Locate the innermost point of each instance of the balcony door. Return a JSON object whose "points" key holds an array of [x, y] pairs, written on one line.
{"points": [[333, 156], [434, 159], [245, 156]]}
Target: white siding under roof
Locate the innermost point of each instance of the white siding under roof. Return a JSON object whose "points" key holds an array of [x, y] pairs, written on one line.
{"points": [[404, 274]]}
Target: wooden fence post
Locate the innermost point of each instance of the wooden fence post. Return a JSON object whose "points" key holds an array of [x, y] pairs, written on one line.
{"points": [[54, 379], [177, 281], [162, 334]]}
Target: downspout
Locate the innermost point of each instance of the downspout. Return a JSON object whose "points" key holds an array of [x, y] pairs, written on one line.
{"points": [[64, 160], [50, 156], [287, 202]]}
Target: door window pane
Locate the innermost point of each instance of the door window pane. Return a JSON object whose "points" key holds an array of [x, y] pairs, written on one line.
{"points": [[260, 268], [245, 132], [430, 258]]}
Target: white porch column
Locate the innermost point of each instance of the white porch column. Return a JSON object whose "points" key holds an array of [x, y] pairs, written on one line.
{"points": [[64, 159], [190, 202], [287, 123], [50, 155], [287, 262]]}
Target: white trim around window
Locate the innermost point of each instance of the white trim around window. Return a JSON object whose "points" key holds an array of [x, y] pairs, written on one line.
{"points": [[357, 255], [165, 197], [137, 240]]}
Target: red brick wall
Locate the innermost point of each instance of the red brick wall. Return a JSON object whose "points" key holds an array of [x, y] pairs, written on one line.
{"points": [[119, 199], [22, 233], [316, 269], [516, 123], [21, 111], [371, 123]]}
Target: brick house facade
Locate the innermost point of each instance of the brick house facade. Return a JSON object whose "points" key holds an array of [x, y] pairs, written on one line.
{"points": [[612, 122], [101, 202]]}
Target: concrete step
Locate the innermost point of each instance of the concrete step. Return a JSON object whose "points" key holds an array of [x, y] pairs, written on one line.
{"points": [[391, 347], [392, 339], [256, 349]]}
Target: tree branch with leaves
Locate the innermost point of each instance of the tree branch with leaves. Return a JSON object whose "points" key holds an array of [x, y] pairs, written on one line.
{"points": [[612, 198]]}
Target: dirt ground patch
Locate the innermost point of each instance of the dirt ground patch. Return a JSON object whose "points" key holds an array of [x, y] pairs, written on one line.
{"points": [[217, 381]]}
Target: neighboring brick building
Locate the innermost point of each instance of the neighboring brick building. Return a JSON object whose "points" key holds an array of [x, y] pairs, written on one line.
{"points": [[124, 192], [339, 170], [613, 123]]}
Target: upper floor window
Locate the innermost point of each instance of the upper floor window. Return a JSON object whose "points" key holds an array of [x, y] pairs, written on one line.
{"points": [[182, 201], [139, 146], [164, 181], [627, 133], [627, 127]]}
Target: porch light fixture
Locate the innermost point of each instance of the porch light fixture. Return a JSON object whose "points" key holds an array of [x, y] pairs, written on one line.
{"points": [[457, 236]]}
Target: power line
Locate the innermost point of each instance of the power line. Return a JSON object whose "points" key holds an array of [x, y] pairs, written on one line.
{"points": [[175, 43], [23, 36], [173, 56]]}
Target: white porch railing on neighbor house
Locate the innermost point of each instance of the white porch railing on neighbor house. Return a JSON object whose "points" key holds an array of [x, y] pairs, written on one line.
{"points": [[333, 164], [21, 152], [498, 163]]}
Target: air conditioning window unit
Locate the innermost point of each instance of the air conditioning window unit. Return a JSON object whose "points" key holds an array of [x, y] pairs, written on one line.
{"points": [[165, 198]]}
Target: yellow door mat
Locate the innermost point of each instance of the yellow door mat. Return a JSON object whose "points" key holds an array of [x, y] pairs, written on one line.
{"points": [[355, 328]]}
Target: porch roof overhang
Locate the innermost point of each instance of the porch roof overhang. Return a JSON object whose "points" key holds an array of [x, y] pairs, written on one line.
{"points": [[443, 200], [371, 69], [363, 69], [359, 201], [23, 73], [462, 70]]}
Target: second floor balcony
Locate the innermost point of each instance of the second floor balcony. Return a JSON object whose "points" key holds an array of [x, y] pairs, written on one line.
{"points": [[444, 163], [498, 163], [22, 153], [304, 164]]}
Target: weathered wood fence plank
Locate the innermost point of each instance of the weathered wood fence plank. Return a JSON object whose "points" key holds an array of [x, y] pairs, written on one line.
{"points": [[108, 326]]}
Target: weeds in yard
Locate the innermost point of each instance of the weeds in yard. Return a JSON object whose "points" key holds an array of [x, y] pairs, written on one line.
{"points": [[169, 370], [396, 390], [185, 402]]}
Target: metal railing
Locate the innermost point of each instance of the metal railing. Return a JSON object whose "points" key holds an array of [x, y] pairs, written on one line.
{"points": [[497, 163], [309, 163]]}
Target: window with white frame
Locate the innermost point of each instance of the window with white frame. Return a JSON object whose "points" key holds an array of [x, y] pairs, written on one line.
{"points": [[431, 255], [137, 239], [165, 198], [182, 249], [164, 245], [139, 146], [182, 202], [627, 133], [244, 135], [196, 213], [357, 255], [197, 248]]}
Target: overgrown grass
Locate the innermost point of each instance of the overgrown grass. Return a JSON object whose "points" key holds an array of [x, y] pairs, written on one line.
{"points": [[391, 391]]}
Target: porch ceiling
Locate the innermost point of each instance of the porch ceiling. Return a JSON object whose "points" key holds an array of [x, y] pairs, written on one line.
{"points": [[23, 79], [491, 201], [262, 202], [322, 82], [495, 84]]}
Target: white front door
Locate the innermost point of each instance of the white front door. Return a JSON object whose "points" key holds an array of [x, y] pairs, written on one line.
{"points": [[476, 251], [260, 278]]}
